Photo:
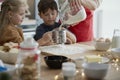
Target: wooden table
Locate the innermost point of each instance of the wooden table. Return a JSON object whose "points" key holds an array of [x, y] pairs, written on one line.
{"points": [[55, 74]]}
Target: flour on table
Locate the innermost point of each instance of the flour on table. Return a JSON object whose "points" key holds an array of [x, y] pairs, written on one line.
{"points": [[62, 49]]}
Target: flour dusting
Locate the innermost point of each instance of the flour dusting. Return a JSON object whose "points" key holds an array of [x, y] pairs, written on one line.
{"points": [[62, 49]]}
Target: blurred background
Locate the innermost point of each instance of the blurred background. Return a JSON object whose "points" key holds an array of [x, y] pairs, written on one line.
{"points": [[106, 18]]}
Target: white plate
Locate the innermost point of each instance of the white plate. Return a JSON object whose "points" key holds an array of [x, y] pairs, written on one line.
{"points": [[116, 51], [104, 59]]}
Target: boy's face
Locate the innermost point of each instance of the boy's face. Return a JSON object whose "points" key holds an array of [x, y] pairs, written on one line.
{"points": [[49, 17]]}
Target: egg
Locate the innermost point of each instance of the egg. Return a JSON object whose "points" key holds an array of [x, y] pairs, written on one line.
{"points": [[101, 40], [107, 40]]}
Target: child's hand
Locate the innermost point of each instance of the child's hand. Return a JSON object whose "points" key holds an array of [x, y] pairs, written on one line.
{"points": [[46, 39], [71, 38], [48, 36], [69, 41]]}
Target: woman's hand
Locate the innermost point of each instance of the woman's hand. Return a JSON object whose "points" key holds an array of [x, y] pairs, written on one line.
{"points": [[75, 14], [75, 6]]}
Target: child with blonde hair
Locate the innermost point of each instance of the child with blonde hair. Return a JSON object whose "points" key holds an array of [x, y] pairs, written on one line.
{"points": [[11, 16]]}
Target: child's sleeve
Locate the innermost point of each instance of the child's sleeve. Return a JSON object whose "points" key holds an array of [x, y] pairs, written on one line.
{"points": [[13, 36]]}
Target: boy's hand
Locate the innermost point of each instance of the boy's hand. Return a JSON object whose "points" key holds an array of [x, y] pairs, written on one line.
{"points": [[46, 39]]}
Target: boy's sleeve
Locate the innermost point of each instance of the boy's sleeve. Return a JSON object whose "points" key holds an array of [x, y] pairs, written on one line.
{"points": [[39, 33]]}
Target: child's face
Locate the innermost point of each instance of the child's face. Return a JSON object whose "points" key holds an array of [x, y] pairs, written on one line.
{"points": [[18, 17], [49, 17]]}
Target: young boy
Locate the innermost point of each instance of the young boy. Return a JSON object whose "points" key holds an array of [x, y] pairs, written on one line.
{"points": [[48, 11]]}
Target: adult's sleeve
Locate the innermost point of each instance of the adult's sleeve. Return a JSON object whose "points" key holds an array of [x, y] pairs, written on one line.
{"points": [[91, 4]]}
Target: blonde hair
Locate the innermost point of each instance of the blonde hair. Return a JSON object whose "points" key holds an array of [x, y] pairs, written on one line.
{"points": [[9, 5]]}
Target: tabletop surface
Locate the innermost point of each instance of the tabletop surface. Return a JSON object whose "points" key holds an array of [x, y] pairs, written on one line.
{"points": [[56, 74], [88, 49]]}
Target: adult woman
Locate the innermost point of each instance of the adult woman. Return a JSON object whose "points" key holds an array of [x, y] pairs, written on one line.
{"points": [[83, 30]]}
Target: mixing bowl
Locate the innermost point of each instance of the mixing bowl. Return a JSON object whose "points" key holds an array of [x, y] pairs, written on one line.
{"points": [[95, 70], [102, 46], [55, 61]]}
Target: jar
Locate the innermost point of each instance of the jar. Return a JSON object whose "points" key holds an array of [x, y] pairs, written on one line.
{"points": [[59, 36], [28, 61], [116, 39], [69, 71]]}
